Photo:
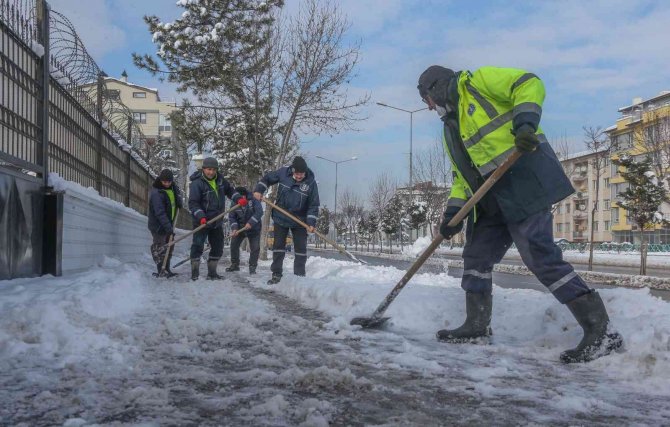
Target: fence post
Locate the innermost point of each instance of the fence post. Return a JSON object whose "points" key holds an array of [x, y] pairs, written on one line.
{"points": [[128, 157], [43, 36], [98, 159]]}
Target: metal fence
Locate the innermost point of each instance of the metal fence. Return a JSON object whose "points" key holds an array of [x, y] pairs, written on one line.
{"points": [[54, 113]]}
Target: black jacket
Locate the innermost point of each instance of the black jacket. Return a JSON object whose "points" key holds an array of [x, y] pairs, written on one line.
{"points": [[160, 208], [250, 214], [204, 202], [299, 198]]}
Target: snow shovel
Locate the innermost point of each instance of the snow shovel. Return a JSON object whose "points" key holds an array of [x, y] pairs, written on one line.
{"points": [[326, 239], [168, 250], [377, 319], [187, 259], [200, 227]]}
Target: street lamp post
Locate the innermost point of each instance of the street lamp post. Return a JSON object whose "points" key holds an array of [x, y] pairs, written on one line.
{"points": [[411, 170], [336, 164], [411, 124]]}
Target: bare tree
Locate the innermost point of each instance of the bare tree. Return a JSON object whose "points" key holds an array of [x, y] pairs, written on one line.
{"points": [[313, 72], [600, 145], [352, 211], [433, 173], [381, 192], [655, 138]]}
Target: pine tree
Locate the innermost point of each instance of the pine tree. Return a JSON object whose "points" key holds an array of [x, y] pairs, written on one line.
{"points": [[642, 199], [323, 222], [368, 226], [418, 214], [210, 45], [391, 216]]}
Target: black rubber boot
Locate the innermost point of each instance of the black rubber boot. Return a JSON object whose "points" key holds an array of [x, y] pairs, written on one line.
{"points": [[252, 269], [159, 267], [276, 278], [233, 267], [168, 272], [195, 269], [591, 315], [478, 309], [211, 270]]}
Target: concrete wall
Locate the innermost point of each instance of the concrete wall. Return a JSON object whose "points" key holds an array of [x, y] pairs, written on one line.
{"points": [[93, 229]]}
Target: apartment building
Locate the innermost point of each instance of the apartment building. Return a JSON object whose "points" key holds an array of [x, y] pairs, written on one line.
{"points": [[150, 113], [572, 216], [642, 131]]}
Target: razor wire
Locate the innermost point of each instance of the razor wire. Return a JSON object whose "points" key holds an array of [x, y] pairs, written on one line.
{"points": [[74, 69]]}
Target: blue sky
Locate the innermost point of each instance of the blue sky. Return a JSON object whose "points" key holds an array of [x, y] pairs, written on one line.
{"points": [[593, 57]]}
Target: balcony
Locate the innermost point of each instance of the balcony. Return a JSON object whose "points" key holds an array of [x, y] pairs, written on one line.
{"points": [[580, 196], [579, 176], [578, 235], [580, 215]]}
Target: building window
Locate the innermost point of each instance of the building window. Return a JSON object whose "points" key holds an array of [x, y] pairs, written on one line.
{"points": [[595, 205], [567, 227], [615, 215], [112, 94], [607, 225], [139, 94], [140, 118], [559, 227], [558, 208], [567, 207], [594, 184], [607, 161], [595, 225], [164, 123], [623, 141], [607, 204]]}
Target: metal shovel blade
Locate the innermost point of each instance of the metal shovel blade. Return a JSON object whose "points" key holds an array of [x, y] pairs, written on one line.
{"points": [[354, 258], [369, 322]]}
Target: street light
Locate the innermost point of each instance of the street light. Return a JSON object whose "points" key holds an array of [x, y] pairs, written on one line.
{"points": [[411, 122], [336, 163], [198, 159]]}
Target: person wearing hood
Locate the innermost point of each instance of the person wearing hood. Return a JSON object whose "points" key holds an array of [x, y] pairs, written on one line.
{"points": [[486, 116], [298, 194], [245, 223], [207, 199], [164, 201]]}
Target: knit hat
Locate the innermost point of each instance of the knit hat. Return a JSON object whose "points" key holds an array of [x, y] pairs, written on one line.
{"points": [[434, 82], [166, 175], [299, 164], [241, 190], [210, 162]]}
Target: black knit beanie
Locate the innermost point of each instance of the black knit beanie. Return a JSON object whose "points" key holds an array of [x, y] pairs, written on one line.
{"points": [[166, 175], [299, 164]]}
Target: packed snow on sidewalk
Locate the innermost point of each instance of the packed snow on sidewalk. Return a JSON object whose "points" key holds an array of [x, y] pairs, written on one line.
{"points": [[114, 345]]}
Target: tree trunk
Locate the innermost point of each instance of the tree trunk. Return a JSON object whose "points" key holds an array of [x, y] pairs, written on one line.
{"points": [[593, 218], [267, 215], [643, 252]]}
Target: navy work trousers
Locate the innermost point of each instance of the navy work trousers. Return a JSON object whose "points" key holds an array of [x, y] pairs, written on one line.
{"points": [[299, 249], [215, 237], [254, 247], [489, 238]]}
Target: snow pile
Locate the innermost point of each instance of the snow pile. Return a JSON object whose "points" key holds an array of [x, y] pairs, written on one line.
{"points": [[417, 247], [526, 323], [60, 184], [37, 48], [113, 345], [47, 322]]}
